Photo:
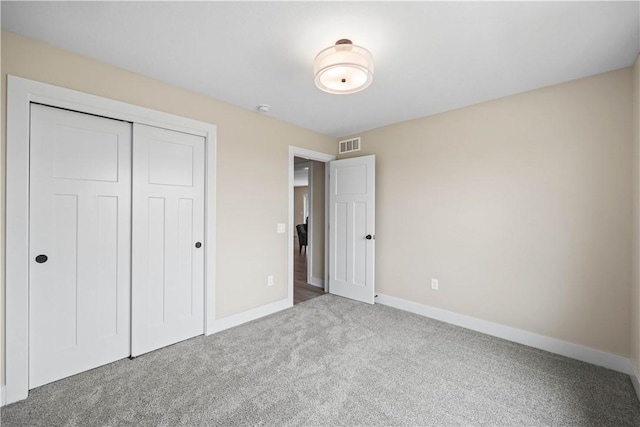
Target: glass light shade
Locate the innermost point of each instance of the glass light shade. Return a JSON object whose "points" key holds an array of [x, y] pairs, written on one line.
{"points": [[343, 69]]}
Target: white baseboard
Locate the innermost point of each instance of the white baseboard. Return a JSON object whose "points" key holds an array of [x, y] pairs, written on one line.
{"points": [[635, 379], [247, 316], [552, 345], [316, 282], [3, 396]]}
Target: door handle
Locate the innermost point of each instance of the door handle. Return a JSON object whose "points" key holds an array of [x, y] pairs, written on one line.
{"points": [[41, 258], [198, 244], [369, 237]]}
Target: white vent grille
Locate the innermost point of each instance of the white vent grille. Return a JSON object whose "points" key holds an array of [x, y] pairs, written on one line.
{"points": [[349, 145]]}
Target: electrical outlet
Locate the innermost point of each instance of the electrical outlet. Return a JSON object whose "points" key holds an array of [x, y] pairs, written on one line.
{"points": [[269, 280], [434, 284], [281, 228]]}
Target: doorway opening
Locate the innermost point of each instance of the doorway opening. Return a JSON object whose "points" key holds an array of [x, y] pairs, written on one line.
{"points": [[307, 224], [308, 211]]}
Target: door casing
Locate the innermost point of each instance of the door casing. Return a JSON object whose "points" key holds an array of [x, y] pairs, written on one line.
{"points": [[20, 94]]}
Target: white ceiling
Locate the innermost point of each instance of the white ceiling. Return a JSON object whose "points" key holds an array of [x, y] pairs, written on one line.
{"points": [[430, 57]]}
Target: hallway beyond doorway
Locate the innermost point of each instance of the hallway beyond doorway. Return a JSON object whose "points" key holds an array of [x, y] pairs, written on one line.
{"points": [[302, 291]]}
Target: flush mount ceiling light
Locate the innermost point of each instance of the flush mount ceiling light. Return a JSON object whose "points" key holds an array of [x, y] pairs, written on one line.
{"points": [[343, 68]]}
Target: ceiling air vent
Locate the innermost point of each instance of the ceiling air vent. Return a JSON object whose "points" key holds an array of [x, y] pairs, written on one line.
{"points": [[349, 145]]}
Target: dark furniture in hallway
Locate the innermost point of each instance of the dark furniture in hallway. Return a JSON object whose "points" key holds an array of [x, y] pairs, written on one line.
{"points": [[302, 236]]}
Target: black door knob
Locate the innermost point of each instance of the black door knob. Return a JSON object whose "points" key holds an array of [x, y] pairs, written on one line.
{"points": [[41, 258], [198, 244], [368, 237]]}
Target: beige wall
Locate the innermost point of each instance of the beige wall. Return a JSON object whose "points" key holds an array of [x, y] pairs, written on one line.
{"points": [[521, 208], [635, 286], [252, 164], [298, 205], [317, 220]]}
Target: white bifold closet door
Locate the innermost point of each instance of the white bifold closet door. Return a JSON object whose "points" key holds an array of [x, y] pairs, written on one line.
{"points": [[168, 233], [79, 243]]}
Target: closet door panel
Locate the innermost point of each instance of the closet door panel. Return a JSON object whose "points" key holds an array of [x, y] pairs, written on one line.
{"points": [[168, 222], [80, 217]]}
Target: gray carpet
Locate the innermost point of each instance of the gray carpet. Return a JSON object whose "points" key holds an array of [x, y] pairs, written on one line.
{"points": [[332, 361]]}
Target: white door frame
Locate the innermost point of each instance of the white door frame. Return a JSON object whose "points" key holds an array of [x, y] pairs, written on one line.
{"points": [[20, 94], [320, 157]]}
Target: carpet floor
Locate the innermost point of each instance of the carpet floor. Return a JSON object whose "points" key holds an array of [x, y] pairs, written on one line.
{"points": [[332, 361]]}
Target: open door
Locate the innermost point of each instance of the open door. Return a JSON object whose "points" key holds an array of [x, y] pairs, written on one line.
{"points": [[352, 228]]}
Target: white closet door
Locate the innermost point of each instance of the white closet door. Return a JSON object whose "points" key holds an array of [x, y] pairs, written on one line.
{"points": [[168, 238], [80, 204]]}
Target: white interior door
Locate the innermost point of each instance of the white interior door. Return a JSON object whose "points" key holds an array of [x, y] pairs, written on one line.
{"points": [[352, 228], [80, 195], [168, 238]]}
